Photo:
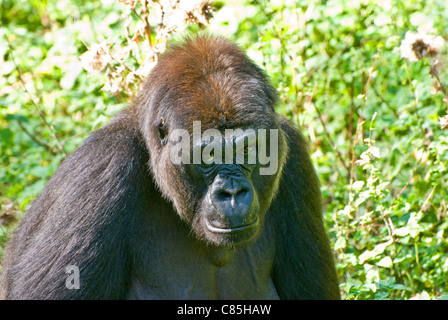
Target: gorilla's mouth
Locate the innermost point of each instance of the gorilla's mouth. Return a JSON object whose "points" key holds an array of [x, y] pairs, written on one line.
{"points": [[233, 229]]}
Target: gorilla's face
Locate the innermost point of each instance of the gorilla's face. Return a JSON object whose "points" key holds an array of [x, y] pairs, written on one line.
{"points": [[229, 211], [216, 147], [220, 180]]}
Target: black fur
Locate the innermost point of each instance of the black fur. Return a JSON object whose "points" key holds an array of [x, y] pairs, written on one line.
{"points": [[131, 220]]}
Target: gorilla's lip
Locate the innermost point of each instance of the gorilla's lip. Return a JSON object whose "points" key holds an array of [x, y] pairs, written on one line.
{"points": [[213, 228]]}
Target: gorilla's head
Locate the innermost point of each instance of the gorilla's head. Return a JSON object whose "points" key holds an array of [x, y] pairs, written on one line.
{"points": [[216, 147]]}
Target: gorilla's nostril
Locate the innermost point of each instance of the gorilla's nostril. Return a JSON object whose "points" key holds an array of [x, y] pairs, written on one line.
{"points": [[234, 196], [224, 195], [242, 192]]}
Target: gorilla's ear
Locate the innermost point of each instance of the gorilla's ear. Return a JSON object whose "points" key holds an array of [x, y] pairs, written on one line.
{"points": [[162, 129]]}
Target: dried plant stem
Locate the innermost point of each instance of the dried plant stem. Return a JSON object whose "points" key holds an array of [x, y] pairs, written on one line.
{"points": [[327, 134], [124, 66], [36, 107], [147, 28], [441, 86], [358, 132], [35, 139]]}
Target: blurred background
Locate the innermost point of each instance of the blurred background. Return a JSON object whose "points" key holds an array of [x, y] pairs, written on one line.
{"points": [[364, 80]]}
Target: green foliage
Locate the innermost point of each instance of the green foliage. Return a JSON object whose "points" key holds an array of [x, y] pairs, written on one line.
{"points": [[372, 118]]}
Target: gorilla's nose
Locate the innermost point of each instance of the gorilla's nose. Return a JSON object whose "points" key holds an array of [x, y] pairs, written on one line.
{"points": [[237, 193], [232, 198]]}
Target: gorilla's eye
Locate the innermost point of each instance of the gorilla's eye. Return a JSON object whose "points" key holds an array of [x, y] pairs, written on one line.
{"points": [[248, 149], [208, 158], [161, 128], [246, 152]]}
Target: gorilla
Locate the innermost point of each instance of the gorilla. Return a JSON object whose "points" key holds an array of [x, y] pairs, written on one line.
{"points": [[136, 223]]}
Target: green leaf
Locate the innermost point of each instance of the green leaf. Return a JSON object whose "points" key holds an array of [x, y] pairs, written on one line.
{"points": [[340, 243], [370, 254], [385, 262]]}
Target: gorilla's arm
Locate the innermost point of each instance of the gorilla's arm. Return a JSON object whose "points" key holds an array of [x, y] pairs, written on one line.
{"points": [[303, 266], [83, 218]]}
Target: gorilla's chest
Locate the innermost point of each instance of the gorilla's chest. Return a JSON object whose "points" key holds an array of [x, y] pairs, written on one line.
{"points": [[205, 282], [181, 267]]}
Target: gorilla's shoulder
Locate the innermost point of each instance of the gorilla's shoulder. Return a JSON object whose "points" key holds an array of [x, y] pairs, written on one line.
{"points": [[297, 144], [111, 157], [120, 139]]}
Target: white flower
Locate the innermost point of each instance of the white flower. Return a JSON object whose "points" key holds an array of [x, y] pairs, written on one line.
{"points": [[444, 122], [96, 58], [113, 85], [416, 46]]}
